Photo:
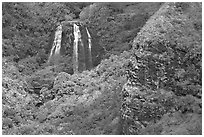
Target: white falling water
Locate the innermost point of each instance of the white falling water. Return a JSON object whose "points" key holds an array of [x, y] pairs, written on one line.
{"points": [[76, 39], [90, 45], [57, 42], [79, 57], [82, 53], [58, 36]]}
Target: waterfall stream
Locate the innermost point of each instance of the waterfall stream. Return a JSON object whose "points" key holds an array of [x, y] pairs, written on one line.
{"points": [[57, 42], [58, 39], [75, 52], [79, 52], [90, 45]]}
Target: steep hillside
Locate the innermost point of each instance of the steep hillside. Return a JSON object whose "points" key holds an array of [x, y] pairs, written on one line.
{"points": [[164, 76], [116, 24], [153, 88]]}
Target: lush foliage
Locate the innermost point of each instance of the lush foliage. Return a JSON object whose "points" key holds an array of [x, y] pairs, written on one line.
{"points": [[167, 57], [154, 88], [170, 52], [60, 103], [27, 29], [116, 24]]}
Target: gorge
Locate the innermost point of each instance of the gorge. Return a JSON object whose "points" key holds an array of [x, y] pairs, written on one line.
{"points": [[124, 68]]}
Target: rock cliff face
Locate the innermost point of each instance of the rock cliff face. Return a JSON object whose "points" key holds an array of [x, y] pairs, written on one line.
{"points": [[165, 65]]}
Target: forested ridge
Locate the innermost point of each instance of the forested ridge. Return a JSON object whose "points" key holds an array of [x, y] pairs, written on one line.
{"points": [[146, 77]]}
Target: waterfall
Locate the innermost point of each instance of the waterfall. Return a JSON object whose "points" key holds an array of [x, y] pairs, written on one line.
{"points": [[57, 42], [90, 45], [58, 36], [82, 45], [82, 54], [78, 52], [75, 51]]}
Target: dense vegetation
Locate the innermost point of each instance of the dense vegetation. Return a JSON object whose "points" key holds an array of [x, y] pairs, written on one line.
{"points": [[148, 80], [164, 75]]}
